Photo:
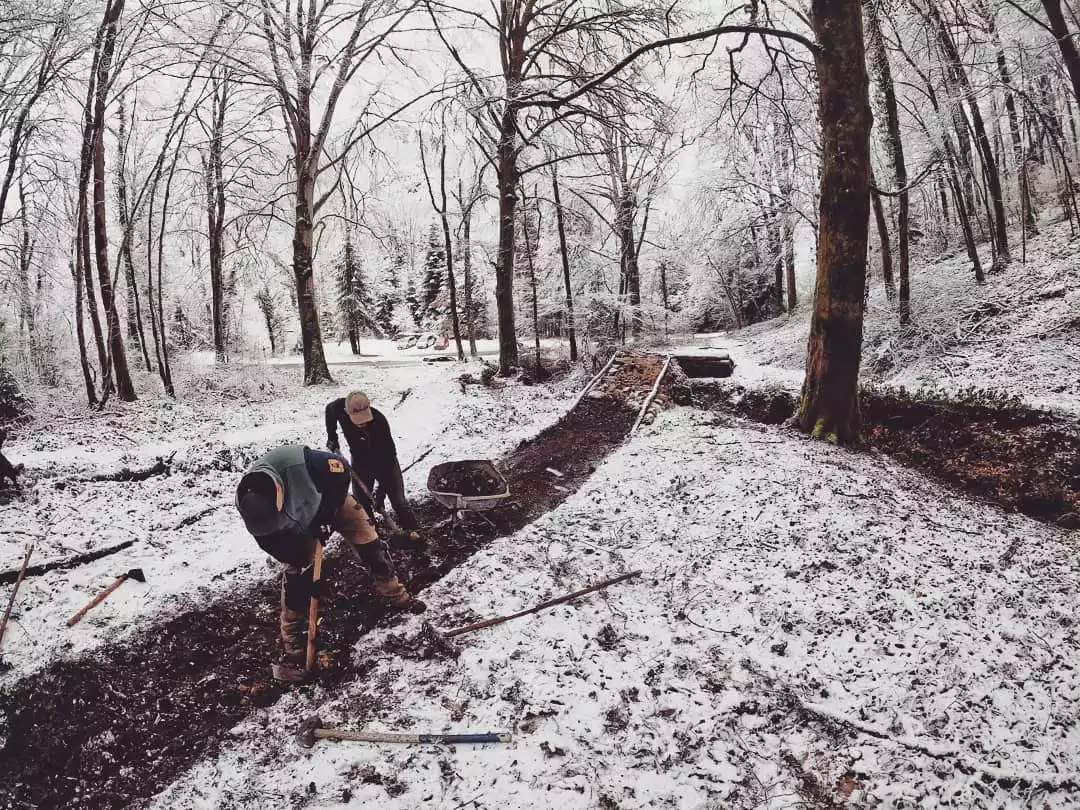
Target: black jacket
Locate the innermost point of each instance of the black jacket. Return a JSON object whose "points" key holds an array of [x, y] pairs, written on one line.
{"points": [[371, 446]]}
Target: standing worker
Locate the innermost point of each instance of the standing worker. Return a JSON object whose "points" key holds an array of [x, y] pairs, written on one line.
{"points": [[292, 498], [374, 456]]}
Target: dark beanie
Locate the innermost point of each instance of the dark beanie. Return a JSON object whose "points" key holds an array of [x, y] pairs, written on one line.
{"points": [[257, 506]]}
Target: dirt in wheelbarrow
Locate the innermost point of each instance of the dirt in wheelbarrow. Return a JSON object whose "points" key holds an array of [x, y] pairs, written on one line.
{"points": [[111, 729], [469, 482]]}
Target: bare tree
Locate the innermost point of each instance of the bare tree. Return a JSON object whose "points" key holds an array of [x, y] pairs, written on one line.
{"points": [[440, 205], [213, 172], [894, 150], [540, 45], [565, 256], [959, 79], [124, 256], [294, 39], [467, 202]]}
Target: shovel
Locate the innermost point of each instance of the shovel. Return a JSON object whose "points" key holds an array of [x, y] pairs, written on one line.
{"points": [[135, 574]]}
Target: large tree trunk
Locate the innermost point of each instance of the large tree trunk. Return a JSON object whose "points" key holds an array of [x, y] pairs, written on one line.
{"points": [[125, 390], [315, 368], [564, 254], [894, 148], [830, 404], [507, 173]]}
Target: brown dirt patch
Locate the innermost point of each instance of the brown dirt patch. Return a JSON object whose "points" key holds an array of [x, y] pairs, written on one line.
{"points": [[1025, 460]]}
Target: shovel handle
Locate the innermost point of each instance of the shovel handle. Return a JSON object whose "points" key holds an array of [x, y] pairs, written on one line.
{"points": [[313, 609], [116, 584]]}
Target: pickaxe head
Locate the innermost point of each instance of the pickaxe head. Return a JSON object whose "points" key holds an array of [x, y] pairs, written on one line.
{"points": [[136, 574], [306, 735]]}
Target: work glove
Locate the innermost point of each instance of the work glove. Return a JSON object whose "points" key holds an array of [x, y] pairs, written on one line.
{"points": [[333, 445]]}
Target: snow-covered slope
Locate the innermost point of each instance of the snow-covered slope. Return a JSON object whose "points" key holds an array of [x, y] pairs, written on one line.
{"points": [[794, 597], [1019, 333]]}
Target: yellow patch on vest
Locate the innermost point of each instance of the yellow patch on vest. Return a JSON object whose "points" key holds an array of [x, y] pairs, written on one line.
{"points": [[336, 466]]}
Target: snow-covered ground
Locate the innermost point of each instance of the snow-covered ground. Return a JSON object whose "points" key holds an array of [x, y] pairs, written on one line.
{"points": [[784, 582], [1019, 333], [223, 419]]}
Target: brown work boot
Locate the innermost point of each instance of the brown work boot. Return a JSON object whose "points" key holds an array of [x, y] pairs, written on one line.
{"points": [[394, 596], [291, 668]]}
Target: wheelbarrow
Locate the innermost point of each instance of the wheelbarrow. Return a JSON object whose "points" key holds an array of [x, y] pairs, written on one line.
{"points": [[454, 485]]}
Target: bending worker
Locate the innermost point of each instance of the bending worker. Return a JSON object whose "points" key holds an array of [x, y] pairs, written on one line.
{"points": [[374, 456], [292, 498]]}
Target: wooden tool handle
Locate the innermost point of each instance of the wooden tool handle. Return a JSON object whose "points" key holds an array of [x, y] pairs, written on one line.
{"points": [[550, 603], [119, 581], [313, 609], [15, 590]]}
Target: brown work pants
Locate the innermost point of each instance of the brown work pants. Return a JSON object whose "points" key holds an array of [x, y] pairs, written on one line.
{"points": [[352, 522]]}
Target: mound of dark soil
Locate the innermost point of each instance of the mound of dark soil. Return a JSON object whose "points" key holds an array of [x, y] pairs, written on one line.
{"points": [[1025, 460]]}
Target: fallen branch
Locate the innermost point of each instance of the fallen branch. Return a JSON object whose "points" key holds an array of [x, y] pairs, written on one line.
{"points": [[36, 570], [195, 518], [161, 467], [589, 386], [1046, 781], [650, 397], [15, 590], [550, 603]]}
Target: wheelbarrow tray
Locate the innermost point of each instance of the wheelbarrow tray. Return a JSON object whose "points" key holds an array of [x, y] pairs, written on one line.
{"points": [[457, 500]]}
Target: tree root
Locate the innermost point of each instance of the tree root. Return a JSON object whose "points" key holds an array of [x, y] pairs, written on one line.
{"points": [[162, 466], [7, 577]]}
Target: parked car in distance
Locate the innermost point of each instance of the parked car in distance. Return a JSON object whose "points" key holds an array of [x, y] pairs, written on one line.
{"points": [[416, 340]]}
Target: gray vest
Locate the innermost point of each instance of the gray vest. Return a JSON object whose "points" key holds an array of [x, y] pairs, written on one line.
{"points": [[286, 465]]}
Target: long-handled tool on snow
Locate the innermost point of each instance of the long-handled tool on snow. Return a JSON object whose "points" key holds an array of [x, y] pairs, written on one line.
{"points": [[313, 729], [469, 628], [313, 608], [135, 574], [14, 591]]}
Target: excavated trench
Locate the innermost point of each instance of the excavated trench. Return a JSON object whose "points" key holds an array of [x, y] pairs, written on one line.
{"points": [[1025, 460], [109, 729]]}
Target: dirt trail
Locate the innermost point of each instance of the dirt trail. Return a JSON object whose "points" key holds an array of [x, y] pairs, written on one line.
{"points": [[109, 729]]}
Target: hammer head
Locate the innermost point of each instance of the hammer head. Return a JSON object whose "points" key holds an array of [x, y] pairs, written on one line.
{"points": [[136, 574], [306, 735]]}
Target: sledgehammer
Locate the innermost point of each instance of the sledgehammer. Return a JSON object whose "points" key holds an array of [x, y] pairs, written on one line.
{"points": [[135, 574], [313, 729]]}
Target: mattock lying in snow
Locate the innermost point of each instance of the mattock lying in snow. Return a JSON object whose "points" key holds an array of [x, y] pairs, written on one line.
{"points": [[135, 574]]}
